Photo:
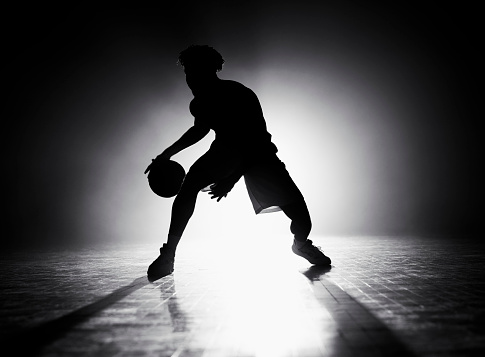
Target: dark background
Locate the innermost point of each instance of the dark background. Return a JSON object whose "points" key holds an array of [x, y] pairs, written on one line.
{"points": [[382, 134]]}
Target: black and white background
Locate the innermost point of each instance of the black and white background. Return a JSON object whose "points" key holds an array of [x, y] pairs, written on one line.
{"points": [[375, 110]]}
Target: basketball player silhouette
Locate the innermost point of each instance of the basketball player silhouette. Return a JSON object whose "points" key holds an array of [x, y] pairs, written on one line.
{"points": [[242, 148]]}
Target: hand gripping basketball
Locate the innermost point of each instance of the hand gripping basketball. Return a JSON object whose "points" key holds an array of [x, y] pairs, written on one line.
{"points": [[165, 177]]}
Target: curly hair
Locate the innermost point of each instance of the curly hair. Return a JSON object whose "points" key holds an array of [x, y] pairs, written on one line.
{"points": [[201, 56]]}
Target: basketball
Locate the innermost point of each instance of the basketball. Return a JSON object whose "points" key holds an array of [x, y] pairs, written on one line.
{"points": [[165, 177]]}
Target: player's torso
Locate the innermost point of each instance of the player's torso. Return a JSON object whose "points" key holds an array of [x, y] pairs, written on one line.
{"points": [[227, 108], [234, 113]]}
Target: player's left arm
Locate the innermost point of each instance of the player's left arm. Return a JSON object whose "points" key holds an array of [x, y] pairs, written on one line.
{"points": [[221, 188]]}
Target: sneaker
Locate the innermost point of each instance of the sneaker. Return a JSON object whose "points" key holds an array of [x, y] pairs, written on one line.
{"points": [[163, 265], [311, 253]]}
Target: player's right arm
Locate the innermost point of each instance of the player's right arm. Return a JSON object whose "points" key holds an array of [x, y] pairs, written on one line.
{"points": [[189, 138]]}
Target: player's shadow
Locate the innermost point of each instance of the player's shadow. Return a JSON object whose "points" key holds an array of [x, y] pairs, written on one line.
{"points": [[30, 342], [315, 272]]}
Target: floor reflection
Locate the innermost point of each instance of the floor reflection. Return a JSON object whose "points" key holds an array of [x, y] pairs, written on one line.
{"points": [[227, 305], [178, 317], [256, 310], [315, 272], [251, 299]]}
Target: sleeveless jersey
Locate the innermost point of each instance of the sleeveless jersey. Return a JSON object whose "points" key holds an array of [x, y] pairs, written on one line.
{"points": [[234, 113]]}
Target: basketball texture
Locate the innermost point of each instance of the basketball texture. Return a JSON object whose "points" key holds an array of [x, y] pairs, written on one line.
{"points": [[165, 177]]}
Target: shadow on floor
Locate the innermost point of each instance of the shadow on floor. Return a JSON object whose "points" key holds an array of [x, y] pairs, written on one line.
{"points": [[30, 341]]}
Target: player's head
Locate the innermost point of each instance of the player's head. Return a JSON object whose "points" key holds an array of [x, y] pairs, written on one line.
{"points": [[200, 58], [201, 64]]}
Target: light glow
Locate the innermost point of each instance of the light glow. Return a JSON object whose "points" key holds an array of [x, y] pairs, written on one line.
{"points": [[260, 310]]}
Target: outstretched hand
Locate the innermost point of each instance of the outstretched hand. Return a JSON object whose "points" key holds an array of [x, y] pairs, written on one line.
{"points": [[220, 189]]}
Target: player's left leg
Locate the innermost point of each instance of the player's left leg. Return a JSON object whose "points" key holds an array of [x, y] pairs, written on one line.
{"points": [[301, 226], [301, 223]]}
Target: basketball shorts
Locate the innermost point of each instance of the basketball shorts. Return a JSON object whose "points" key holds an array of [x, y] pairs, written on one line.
{"points": [[268, 183], [270, 186]]}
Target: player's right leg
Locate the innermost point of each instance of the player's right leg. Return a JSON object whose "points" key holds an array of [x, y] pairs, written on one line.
{"points": [[182, 209], [208, 169]]}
